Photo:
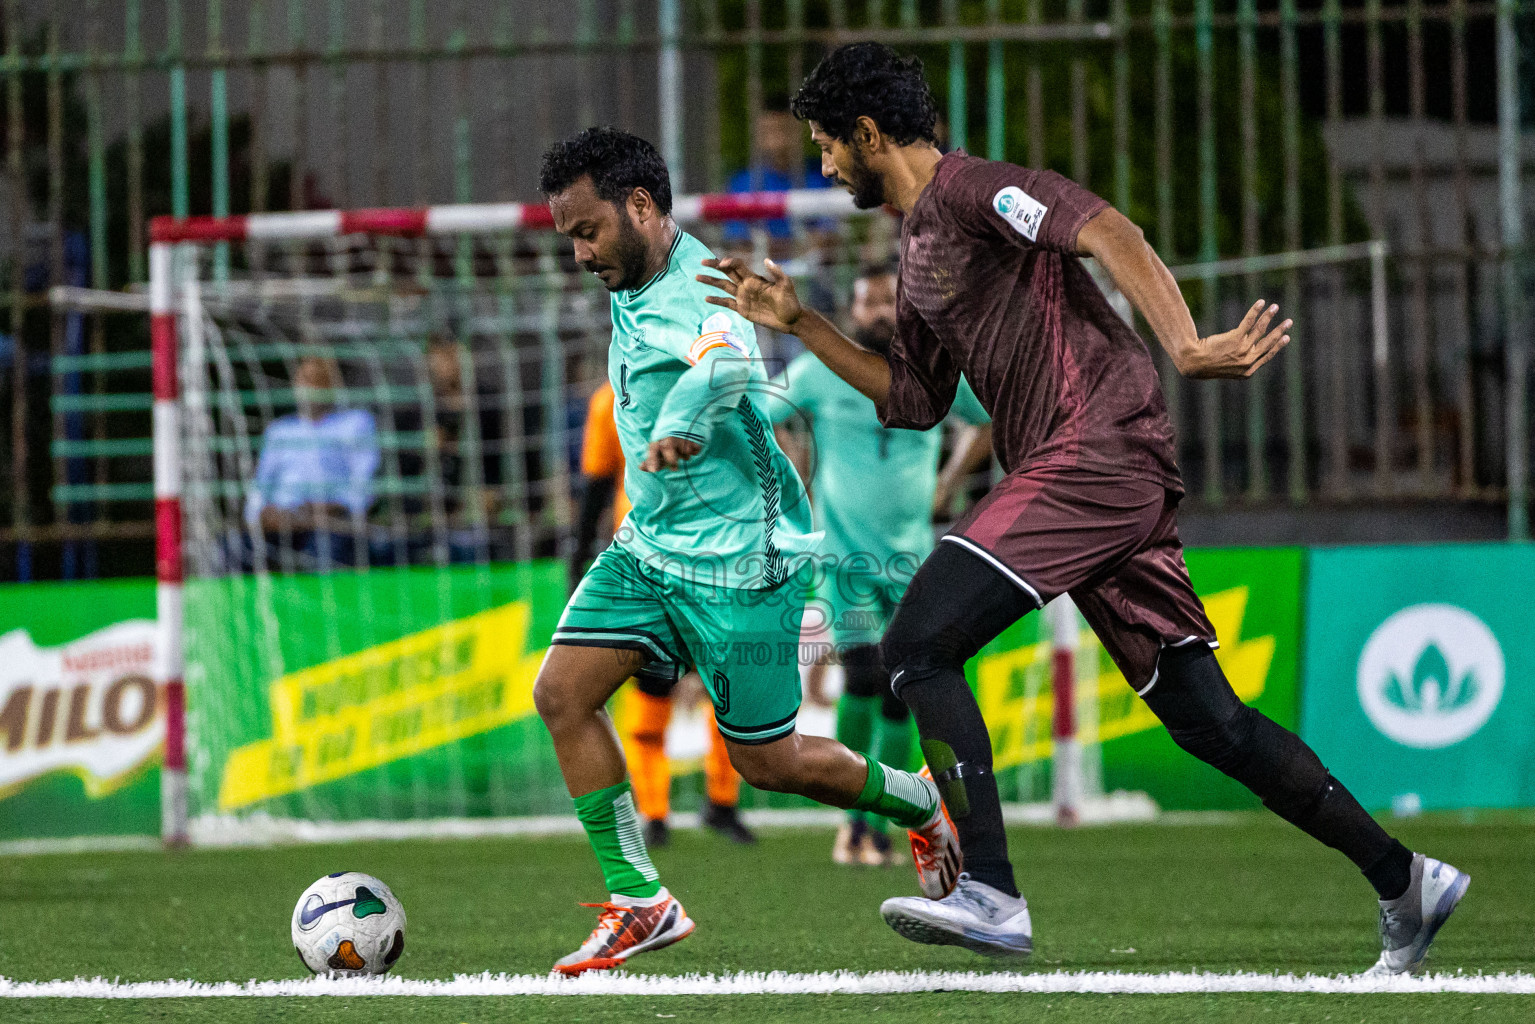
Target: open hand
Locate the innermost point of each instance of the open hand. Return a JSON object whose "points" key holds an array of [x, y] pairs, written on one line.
{"points": [[769, 301], [1240, 352], [669, 453]]}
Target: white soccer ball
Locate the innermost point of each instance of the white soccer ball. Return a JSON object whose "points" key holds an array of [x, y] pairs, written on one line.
{"points": [[348, 925]]}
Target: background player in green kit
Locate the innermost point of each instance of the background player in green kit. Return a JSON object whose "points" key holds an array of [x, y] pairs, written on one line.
{"points": [[871, 548], [703, 569]]}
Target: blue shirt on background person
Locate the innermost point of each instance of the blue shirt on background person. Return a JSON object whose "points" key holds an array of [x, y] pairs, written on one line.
{"points": [[325, 461], [772, 180], [779, 149]]}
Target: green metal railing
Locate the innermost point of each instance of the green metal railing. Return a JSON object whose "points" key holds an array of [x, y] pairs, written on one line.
{"points": [[1205, 120]]}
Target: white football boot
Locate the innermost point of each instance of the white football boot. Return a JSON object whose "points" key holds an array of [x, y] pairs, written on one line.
{"points": [[625, 927], [974, 915], [1409, 923]]}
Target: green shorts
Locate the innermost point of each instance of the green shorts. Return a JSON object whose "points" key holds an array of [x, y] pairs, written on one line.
{"points": [[744, 643]]}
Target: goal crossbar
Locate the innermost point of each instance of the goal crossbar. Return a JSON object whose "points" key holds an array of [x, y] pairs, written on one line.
{"points": [[476, 218]]}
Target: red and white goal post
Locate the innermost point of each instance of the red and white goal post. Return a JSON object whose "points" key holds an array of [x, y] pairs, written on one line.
{"points": [[328, 251]]}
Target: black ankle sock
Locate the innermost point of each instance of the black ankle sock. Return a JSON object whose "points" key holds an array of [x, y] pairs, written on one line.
{"points": [[1392, 873], [982, 837], [1204, 716]]}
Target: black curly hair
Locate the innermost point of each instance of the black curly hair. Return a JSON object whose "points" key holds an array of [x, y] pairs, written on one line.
{"points": [[617, 162], [869, 79]]}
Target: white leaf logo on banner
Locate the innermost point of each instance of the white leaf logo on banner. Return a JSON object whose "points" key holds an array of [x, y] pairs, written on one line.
{"points": [[89, 706], [1430, 676]]}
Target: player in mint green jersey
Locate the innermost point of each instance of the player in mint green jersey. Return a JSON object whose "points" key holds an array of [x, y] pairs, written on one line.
{"points": [[872, 547], [704, 570]]}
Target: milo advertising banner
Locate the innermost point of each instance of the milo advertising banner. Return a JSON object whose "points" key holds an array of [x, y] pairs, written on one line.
{"points": [[1418, 674], [81, 719], [1253, 599], [395, 693]]}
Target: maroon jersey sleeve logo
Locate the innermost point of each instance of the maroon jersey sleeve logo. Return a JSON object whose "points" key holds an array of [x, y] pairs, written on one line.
{"points": [[1021, 210]]}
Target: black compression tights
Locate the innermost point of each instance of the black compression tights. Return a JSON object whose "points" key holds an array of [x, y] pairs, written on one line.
{"points": [[954, 605], [1193, 699]]}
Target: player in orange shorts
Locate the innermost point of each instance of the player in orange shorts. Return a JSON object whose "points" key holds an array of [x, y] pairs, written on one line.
{"points": [[646, 706]]}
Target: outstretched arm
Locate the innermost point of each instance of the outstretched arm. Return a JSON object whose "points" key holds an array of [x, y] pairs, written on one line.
{"points": [[771, 302], [1115, 242]]}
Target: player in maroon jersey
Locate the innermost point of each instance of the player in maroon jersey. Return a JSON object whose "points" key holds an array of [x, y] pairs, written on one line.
{"points": [[992, 286]]}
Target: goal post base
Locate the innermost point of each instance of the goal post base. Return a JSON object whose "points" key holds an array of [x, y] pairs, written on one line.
{"points": [[174, 832]]}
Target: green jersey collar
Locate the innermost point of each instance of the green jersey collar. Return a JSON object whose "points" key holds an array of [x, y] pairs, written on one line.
{"points": [[625, 298]]}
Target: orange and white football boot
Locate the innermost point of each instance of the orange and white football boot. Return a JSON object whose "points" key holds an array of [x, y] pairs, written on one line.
{"points": [[935, 849], [624, 930]]}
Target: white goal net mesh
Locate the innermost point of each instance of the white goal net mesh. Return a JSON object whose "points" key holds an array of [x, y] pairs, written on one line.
{"points": [[381, 463]]}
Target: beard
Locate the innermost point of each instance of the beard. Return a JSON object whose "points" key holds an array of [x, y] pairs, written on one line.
{"points": [[876, 336], [867, 187], [630, 255]]}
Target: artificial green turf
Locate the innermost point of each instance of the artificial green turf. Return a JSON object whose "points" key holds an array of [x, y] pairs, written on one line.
{"points": [[1253, 895], [970, 1008]]}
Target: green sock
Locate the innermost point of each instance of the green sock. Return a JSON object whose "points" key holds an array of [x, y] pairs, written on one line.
{"points": [[893, 746], [855, 730], [855, 722], [899, 795], [896, 743], [613, 828]]}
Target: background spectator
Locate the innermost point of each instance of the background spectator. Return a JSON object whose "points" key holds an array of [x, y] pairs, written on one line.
{"points": [[781, 164], [314, 479], [459, 462]]}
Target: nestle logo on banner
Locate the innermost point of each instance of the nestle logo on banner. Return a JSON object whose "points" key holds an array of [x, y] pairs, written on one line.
{"points": [[1430, 676], [89, 706], [131, 656]]}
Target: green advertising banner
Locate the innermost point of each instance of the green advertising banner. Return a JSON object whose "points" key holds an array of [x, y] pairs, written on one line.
{"points": [[81, 722], [394, 694], [1419, 664], [1252, 596], [388, 694], [408, 694]]}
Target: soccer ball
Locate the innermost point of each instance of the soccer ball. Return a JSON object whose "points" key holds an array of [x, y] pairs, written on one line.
{"points": [[348, 925]]}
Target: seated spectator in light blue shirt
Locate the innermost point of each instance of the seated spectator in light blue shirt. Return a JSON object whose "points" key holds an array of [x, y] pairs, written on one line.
{"points": [[314, 480]]}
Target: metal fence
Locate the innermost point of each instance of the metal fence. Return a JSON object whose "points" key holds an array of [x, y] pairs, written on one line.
{"points": [[1227, 130]]}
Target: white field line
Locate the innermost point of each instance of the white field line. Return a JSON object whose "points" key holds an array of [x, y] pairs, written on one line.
{"points": [[779, 983], [260, 829], [79, 844]]}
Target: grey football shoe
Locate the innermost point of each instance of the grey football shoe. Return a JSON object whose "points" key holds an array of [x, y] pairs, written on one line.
{"points": [[974, 916], [1409, 923]]}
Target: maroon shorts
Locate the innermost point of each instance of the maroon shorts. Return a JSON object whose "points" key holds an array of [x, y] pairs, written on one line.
{"points": [[1110, 542]]}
